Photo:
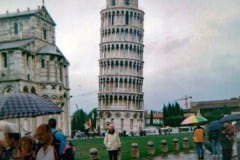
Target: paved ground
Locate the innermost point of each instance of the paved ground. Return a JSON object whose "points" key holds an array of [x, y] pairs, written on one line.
{"points": [[191, 155]]}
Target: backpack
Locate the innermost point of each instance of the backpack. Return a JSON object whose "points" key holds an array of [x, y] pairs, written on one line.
{"points": [[68, 153], [56, 144]]}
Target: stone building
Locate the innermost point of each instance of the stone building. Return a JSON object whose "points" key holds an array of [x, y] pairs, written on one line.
{"points": [[30, 62], [120, 96], [233, 105]]}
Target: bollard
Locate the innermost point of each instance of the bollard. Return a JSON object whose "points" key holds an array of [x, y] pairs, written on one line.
{"points": [[150, 148], [175, 145], [164, 147], [135, 151], [185, 143], [93, 154]]}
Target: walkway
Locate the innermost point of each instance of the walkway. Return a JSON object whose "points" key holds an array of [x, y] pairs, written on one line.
{"points": [[191, 155]]}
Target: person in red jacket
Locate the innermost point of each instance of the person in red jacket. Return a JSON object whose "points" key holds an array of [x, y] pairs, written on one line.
{"points": [[198, 139]]}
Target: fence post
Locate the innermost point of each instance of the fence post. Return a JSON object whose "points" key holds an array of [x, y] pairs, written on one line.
{"points": [[164, 147], [150, 148], [175, 145], [185, 143], [135, 151], [93, 154]]}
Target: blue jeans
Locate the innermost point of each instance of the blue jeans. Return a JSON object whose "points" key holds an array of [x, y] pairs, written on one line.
{"points": [[199, 149], [215, 147]]}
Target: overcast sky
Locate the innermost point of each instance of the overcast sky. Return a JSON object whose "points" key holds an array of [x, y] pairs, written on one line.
{"points": [[192, 47]]}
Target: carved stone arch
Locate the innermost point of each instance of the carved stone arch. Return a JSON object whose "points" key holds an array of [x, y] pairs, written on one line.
{"points": [[130, 47], [120, 97], [113, 30], [33, 90], [134, 65], [138, 16], [126, 46], [116, 63], [117, 46], [127, 115], [25, 89], [8, 90], [130, 64], [117, 30], [109, 14], [54, 98], [135, 115], [122, 46], [134, 48], [134, 32], [131, 14], [115, 97], [126, 30], [118, 115], [122, 30], [135, 14], [121, 63], [108, 48], [46, 96], [131, 31], [138, 50]]}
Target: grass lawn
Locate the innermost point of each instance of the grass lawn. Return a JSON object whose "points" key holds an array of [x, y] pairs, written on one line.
{"points": [[83, 146]]}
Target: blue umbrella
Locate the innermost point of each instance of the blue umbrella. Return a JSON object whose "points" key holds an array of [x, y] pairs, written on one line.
{"points": [[229, 118], [214, 126]]}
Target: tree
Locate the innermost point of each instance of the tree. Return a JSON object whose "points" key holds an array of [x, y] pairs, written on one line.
{"points": [[93, 116], [151, 117], [172, 115], [78, 120]]}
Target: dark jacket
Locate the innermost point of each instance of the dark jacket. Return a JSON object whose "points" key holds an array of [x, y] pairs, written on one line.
{"points": [[225, 141]]}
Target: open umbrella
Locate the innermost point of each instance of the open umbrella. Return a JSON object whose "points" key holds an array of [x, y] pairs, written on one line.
{"points": [[193, 119], [214, 126], [19, 105], [229, 118]]}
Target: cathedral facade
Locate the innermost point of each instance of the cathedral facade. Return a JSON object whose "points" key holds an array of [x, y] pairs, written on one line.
{"points": [[120, 96], [30, 62]]}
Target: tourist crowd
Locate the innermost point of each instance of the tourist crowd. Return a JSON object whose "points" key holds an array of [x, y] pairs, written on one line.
{"points": [[224, 143], [45, 144]]}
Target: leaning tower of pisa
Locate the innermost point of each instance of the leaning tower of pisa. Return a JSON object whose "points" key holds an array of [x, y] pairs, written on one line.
{"points": [[120, 96]]}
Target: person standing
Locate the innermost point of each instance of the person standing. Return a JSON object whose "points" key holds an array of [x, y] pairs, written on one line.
{"points": [[12, 144], [213, 137], [27, 148], [58, 136], [112, 142], [198, 139], [45, 139], [226, 143]]}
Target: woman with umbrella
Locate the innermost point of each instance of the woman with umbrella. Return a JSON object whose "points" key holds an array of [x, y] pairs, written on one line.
{"points": [[213, 130], [198, 138]]}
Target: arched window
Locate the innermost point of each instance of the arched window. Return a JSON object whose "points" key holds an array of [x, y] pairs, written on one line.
{"points": [[42, 63], [127, 18], [25, 89], [127, 2], [113, 3], [16, 28]]}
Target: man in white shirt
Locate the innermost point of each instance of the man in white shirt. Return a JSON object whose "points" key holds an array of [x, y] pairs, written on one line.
{"points": [[45, 139]]}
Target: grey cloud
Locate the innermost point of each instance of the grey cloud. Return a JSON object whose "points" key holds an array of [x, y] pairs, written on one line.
{"points": [[175, 44]]}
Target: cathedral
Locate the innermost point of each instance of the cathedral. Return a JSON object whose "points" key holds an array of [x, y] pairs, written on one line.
{"points": [[30, 62], [120, 96]]}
